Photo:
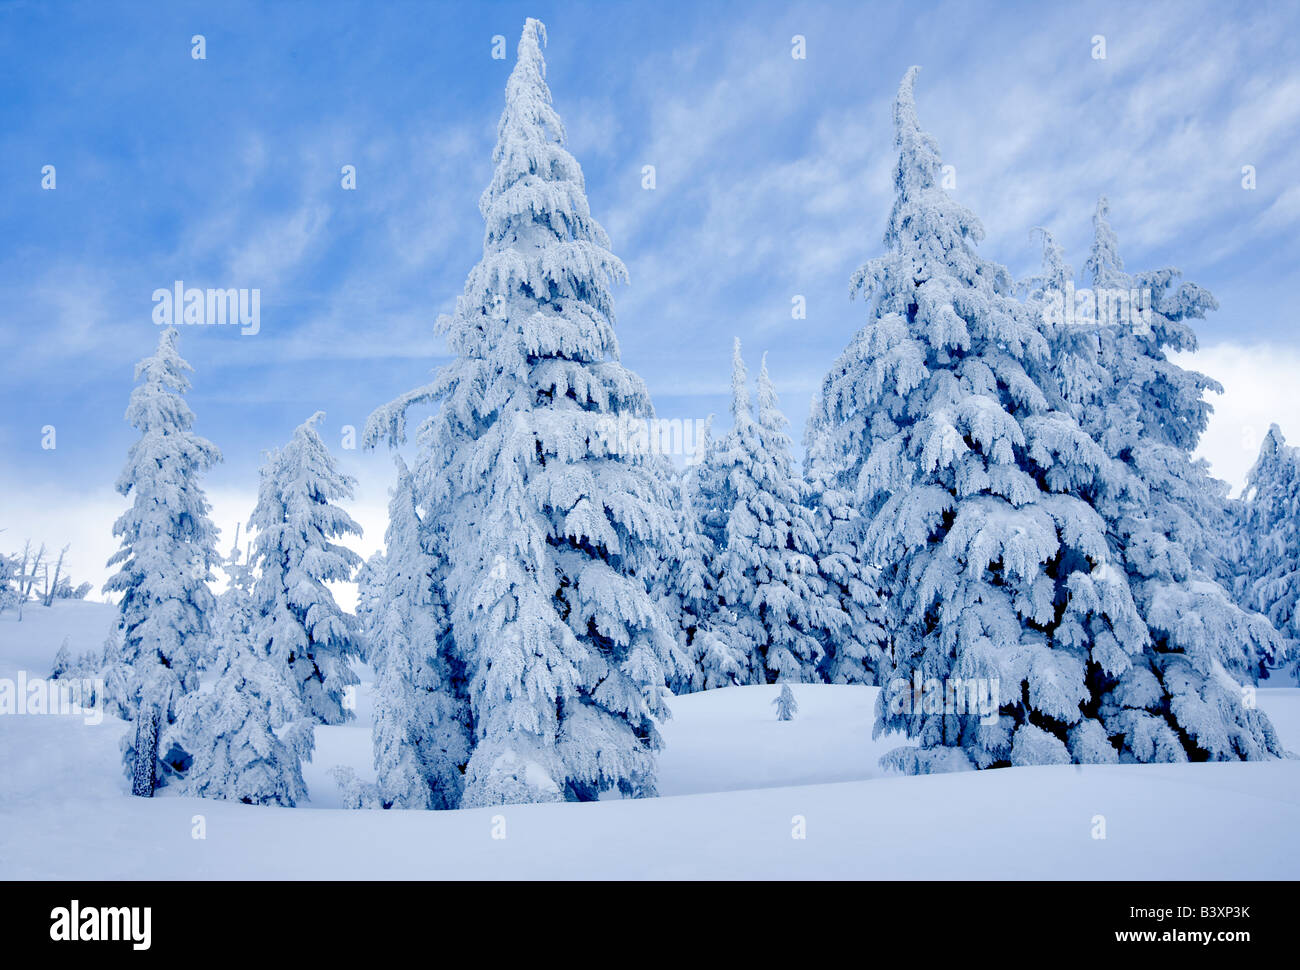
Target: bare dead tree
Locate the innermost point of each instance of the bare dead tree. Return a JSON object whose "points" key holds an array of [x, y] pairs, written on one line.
{"points": [[52, 586], [22, 567], [21, 581], [31, 576]]}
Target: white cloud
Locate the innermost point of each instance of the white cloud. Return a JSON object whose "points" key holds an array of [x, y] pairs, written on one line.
{"points": [[1259, 382]]}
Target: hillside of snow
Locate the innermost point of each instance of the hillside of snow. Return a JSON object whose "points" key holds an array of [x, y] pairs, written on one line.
{"points": [[736, 787]]}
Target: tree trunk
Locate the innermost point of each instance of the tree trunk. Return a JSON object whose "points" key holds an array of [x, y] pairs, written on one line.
{"points": [[52, 588], [31, 577], [146, 750]]}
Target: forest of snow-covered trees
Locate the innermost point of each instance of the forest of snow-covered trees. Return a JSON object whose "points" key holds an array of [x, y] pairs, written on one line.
{"points": [[999, 521]]}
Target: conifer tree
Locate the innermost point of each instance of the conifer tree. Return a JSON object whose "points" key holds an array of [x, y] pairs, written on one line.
{"points": [[996, 569], [422, 731], [766, 568], [1178, 698], [370, 602], [687, 576], [551, 535], [786, 707], [1268, 522], [1183, 699], [167, 550], [62, 661], [299, 625], [248, 734], [859, 652]]}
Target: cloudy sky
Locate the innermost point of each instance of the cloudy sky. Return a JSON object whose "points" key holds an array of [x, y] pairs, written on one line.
{"points": [[772, 180]]}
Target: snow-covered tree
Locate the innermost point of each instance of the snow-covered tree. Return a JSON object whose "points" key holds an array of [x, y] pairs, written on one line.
{"points": [[370, 601], [238, 753], [1268, 539], [551, 533], [248, 733], [785, 704], [688, 587], [299, 624], [167, 550], [859, 652], [996, 569], [9, 590], [63, 662], [765, 570], [1180, 698], [422, 731]]}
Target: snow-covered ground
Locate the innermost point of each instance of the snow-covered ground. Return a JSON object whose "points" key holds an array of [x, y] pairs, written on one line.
{"points": [[737, 787]]}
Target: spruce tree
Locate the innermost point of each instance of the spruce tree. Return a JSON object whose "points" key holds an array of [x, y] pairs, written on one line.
{"points": [[1178, 698], [167, 550], [1268, 524], [997, 574], [300, 626], [1182, 698], [551, 535], [766, 569], [690, 589], [238, 753], [370, 602], [248, 733], [785, 704], [62, 661], [859, 652], [422, 735]]}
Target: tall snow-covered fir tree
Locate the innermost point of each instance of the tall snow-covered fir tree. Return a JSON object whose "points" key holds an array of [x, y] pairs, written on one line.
{"points": [[998, 578], [167, 550], [550, 534], [422, 729], [1179, 697], [1267, 562], [299, 625], [858, 653], [686, 582], [248, 733], [1182, 698], [765, 569]]}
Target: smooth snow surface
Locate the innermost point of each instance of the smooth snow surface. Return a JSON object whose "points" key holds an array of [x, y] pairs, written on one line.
{"points": [[735, 784]]}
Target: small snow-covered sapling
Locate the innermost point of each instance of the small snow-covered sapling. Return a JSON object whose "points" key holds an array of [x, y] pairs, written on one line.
{"points": [[786, 708]]}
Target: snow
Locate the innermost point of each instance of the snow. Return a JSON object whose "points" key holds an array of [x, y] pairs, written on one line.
{"points": [[732, 781], [31, 644], [543, 539]]}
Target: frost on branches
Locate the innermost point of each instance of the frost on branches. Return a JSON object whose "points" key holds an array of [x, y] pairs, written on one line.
{"points": [[859, 652], [167, 549], [975, 493], [1180, 696], [370, 601], [299, 626], [422, 724], [785, 704], [686, 584], [765, 571], [1268, 556], [550, 532], [248, 734]]}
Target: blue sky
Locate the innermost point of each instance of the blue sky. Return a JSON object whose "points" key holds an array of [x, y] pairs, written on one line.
{"points": [[772, 180]]}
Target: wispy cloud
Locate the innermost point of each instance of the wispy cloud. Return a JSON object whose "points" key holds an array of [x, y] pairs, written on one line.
{"points": [[773, 180]]}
